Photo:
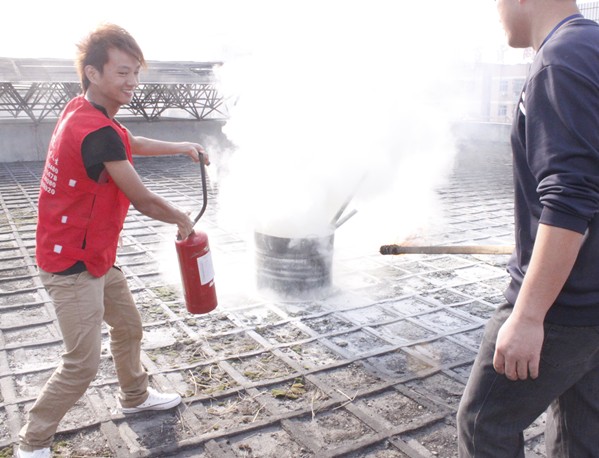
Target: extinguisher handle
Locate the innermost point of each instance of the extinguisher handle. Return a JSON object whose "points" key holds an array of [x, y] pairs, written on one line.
{"points": [[204, 192]]}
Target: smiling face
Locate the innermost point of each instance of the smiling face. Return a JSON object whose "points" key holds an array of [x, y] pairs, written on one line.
{"points": [[113, 87]]}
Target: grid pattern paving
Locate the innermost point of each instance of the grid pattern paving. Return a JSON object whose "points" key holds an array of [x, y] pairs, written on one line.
{"points": [[374, 368]]}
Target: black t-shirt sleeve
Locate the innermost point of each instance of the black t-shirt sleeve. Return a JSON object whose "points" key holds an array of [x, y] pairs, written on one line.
{"points": [[102, 145]]}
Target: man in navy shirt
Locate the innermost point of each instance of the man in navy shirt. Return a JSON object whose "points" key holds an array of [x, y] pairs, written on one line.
{"points": [[541, 349]]}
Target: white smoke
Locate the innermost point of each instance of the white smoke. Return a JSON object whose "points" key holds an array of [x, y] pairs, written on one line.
{"points": [[339, 100]]}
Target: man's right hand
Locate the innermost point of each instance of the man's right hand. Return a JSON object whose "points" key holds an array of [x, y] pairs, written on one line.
{"points": [[185, 225], [518, 348]]}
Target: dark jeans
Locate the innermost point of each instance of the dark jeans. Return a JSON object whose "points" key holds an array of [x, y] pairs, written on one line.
{"points": [[495, 411]]}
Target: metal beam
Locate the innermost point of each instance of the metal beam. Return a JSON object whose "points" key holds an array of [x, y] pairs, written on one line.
{"points": [[191, 93]]}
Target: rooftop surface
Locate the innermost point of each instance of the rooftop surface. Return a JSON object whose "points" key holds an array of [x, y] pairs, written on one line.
{"points": [[374, 367]]}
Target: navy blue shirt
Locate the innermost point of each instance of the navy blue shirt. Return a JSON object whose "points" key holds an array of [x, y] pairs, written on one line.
{"points": [[555, 144]]}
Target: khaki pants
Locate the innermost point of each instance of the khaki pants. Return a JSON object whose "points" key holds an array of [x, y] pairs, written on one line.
{"points": [[82, 302]]}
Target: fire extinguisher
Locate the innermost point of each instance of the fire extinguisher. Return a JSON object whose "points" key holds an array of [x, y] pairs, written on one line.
{"points": [[195, 264]]}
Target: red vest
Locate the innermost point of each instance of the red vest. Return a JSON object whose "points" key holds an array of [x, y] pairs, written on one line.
{"points": [[73, 208]]}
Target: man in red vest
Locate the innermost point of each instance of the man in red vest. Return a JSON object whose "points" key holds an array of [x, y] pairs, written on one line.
{"points": [[87, 186]]}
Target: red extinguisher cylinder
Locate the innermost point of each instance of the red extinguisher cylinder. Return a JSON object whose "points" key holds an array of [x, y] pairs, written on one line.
{"points": [[197, 273]]}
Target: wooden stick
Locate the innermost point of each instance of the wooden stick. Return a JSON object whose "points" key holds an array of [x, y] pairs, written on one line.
{"points": [[453, 249]]}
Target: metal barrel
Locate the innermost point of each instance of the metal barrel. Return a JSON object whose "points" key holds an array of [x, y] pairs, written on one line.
{"points": [[293, 266]]}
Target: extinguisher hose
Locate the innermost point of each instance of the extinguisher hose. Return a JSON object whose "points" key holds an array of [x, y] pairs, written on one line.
{"points": [[204, 192]]}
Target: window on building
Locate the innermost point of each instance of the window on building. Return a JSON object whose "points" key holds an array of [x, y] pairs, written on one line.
{"points": [[517, 87], [503, 88], [502, 111]]}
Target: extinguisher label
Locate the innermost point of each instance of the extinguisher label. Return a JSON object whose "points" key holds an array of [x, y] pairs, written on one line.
{"points": [[205, 268]]}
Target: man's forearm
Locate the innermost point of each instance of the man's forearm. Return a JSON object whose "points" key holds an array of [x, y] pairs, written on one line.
{"points": [[159, 208], [554, 254], [150, 147], [142, 146]]}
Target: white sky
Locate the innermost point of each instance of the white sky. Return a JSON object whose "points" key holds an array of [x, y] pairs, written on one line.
{"points": [[216, 29]]}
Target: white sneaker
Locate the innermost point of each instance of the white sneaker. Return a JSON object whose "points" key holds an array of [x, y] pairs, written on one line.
{"points": [[155, 401], [39, 453]]}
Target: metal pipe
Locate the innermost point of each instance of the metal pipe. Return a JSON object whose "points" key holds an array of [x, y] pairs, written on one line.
{"points": [[345, 218], [335, 221]]}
